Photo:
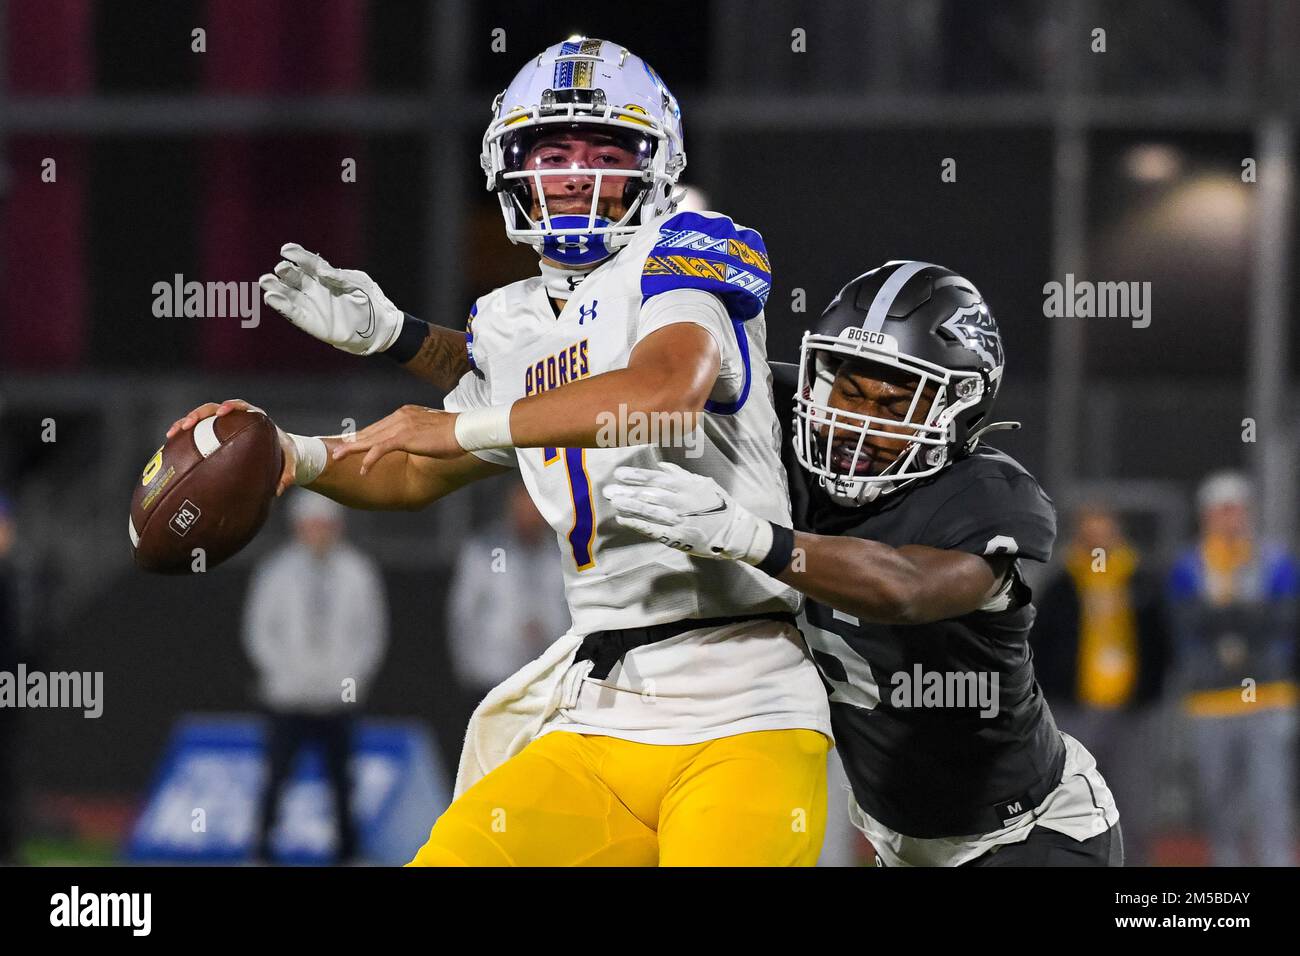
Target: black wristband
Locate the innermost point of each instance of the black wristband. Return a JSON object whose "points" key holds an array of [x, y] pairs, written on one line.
{"points": [[408, 342], [778, 559]]}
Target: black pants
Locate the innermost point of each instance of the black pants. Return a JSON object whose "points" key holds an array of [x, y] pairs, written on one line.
{"points": [[1048, 848], [287, 734]]}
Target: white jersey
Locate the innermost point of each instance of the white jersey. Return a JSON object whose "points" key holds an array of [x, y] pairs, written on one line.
{"points": [[684, 267]]}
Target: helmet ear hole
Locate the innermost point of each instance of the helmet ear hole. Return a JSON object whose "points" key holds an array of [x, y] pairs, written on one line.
{"points": [[521, 197], [631, 189]]}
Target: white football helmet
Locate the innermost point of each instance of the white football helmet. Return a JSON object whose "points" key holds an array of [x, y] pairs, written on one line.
{"points": [[584, 83]]}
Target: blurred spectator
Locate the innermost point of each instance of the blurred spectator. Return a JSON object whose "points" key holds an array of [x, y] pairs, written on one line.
{"points": [[1100, 652], [507, 596], [1234, 604], [316, 629], [8, 662]]}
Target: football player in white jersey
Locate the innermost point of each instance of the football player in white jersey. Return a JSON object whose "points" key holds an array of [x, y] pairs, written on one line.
{"points": [[692, 727]]}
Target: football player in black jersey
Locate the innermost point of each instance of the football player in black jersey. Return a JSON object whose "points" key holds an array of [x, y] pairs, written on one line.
{"points": [[908, 533]]}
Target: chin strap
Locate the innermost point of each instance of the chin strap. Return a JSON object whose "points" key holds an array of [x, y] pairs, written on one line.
{"points": [[993, 427]]}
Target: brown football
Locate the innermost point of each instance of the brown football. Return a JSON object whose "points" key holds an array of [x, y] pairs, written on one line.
{"points": [[205, 493]]}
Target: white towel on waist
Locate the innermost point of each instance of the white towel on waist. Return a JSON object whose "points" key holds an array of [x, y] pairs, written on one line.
{"points": [[513, 712]]}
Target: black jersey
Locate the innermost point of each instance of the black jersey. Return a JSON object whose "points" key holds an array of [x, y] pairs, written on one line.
{"points": [[942, 728]]}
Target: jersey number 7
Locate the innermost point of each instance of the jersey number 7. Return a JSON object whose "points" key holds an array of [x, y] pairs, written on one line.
{"points": [[582, 536]]}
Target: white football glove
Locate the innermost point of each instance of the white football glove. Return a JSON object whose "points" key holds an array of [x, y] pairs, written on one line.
{"points": [[688, 512], [344, 307]]}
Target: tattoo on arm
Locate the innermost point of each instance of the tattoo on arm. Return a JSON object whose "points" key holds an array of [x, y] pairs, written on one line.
{"points": [[442, 358]]}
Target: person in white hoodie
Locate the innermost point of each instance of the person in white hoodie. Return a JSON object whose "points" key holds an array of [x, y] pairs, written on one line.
{"points": [[315, 628]]}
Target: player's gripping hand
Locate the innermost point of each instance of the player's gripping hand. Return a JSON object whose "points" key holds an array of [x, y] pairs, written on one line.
{"points": [[414, 429], [688, 512], [344, 307], [208, 409]]}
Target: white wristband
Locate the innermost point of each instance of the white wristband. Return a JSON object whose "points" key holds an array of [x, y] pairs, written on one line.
{"points": [[311, 455], [760, 537], [481, 428]]}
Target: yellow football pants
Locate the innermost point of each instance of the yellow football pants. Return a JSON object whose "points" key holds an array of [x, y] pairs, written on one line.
{"points": [[755, 799]]}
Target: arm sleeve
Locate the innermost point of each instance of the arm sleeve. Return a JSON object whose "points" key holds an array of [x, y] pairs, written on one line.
{"points": [[994, 515], [472, 391], [707, 311]]}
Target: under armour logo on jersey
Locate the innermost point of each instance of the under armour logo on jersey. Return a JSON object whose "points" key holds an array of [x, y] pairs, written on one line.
{"points": [[974, 328], [584, 315]]}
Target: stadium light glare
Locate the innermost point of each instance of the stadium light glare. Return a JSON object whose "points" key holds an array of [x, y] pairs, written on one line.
{"points": [[1153, 163]]}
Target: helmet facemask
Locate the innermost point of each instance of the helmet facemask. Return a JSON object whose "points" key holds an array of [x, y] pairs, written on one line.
{"points": [[845, 448], [520, 175]]}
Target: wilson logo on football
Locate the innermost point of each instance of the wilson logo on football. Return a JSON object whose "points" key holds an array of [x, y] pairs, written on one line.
{"points": [[185, 518]]}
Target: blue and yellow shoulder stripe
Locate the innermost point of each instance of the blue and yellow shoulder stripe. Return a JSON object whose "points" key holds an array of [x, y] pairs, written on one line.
{"points": [[713, 254]]}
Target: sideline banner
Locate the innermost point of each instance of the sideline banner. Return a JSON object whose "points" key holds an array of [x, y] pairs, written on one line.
{"points": [[202, 807]]}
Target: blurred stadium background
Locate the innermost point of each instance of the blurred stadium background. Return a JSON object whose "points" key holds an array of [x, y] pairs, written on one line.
{"points": [[1117, 166]]}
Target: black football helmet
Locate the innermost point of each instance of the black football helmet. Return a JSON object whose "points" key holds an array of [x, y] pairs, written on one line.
{"points": [[930, 323]]}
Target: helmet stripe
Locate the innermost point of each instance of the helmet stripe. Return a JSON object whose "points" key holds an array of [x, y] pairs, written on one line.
{"points": [[576, 73], [875, 320], [563, 76]]}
